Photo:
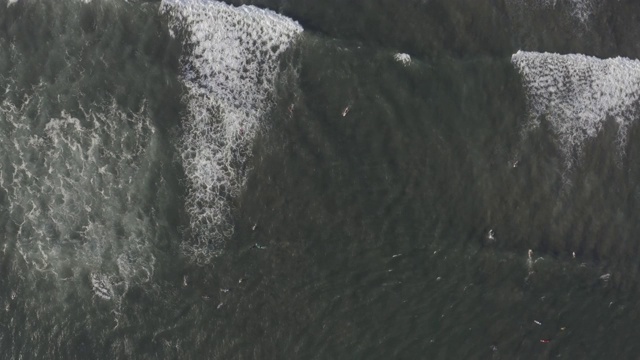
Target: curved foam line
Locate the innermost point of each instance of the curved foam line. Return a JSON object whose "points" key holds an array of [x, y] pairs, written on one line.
{"points": [[229, 72], [578, 93]]}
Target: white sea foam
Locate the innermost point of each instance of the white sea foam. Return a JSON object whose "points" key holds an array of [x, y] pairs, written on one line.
{"points": [[405, 59], [71, 185], [578, 93], [229, 73], [102, 286]]}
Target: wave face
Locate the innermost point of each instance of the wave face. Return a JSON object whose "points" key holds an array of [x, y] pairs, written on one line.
{"points": [[229, 73], [576, 94]]}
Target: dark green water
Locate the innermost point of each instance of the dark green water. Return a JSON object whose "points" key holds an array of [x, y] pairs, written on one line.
{"points": [[175, 187]]}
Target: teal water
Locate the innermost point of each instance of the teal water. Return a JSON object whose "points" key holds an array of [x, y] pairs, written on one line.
{"points": [[188, 179]]}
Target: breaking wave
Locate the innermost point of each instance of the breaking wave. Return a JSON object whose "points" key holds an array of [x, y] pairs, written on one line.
{"points": [[229, 68], [577, 94]]}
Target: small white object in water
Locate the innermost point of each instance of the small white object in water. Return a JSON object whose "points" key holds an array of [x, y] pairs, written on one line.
{"points": [[537, 322], [490, 235], [253, 228], [405, 59], [345, 111], [574, 254], [184, 280], [605, 277]]}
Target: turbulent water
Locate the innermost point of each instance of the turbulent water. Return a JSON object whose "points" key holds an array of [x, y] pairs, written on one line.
{"points": [[189, 179]]}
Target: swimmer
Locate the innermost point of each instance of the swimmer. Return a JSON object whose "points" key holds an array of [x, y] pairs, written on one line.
{"points": [[490, 235], [345, 111]]}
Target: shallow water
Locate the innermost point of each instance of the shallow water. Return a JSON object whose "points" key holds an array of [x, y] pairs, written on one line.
{"points": [[318, 179]]}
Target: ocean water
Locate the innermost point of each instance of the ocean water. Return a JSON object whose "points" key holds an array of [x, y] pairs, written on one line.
{"points": [[270, 179]]}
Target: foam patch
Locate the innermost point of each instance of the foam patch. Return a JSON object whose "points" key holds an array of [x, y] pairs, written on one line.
{"points": [[229, 71], [71, 187], [404, 59], [578, 93]]}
